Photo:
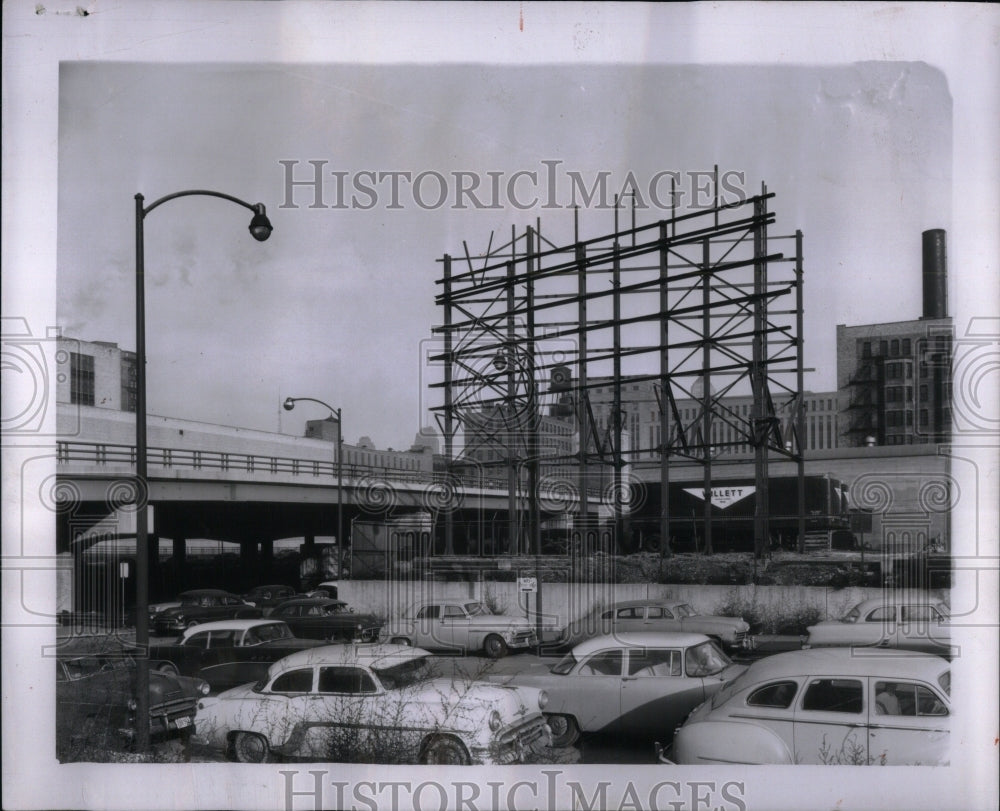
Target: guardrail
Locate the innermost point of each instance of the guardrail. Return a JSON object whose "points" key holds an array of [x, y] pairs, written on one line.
{"points": [[109, 454]]}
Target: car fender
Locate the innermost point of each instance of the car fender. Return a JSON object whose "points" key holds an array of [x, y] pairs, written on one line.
{"points": [[729, 742]]}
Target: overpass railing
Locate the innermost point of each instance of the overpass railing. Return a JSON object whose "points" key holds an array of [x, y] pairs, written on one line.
{"points": [[115, 455]]}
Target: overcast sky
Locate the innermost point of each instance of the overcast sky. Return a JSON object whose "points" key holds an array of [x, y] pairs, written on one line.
{"points": [[336, 304]]}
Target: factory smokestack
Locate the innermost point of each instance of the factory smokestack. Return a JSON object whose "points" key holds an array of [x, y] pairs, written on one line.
{"points": [[935, 274]]}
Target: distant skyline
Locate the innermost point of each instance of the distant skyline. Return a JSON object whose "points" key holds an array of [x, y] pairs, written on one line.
{"points": [[338, 303]]}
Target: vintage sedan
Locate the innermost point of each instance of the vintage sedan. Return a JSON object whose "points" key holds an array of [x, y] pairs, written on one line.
{"points": [[661, 615], [323, 618], [630, 683], [228, 652], [372, 703], [202, 605], [459, 626], [903, 620], [825, 706], [267, 597], [95, 701]]}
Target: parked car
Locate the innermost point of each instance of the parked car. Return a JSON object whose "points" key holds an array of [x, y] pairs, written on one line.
{"points": [[267, 597], [323, 618], [156, 608], [463, 626], [229, 652], [373, 703], [95, 701], [633, 683], [662, 615], [903, 620], [825, 706], [202, 605], [328, 589]]}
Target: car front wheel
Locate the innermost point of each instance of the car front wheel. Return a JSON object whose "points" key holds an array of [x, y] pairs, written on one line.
{"points": [[400, 640], [494, 647], [249, 747], [565, 730], [444, 751]]}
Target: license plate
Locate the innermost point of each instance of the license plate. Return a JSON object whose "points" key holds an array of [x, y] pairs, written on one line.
{"points": [[183, 721]]}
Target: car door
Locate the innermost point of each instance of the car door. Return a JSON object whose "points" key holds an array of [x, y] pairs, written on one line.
{"points": [[630, 618], [282, 710], [661, 618], [656, 696], [594, 693], [908, 724], [879, 627], [923, 628], [456, 628], [427, 627], [337, 721], [831, 722], [289, 614]]}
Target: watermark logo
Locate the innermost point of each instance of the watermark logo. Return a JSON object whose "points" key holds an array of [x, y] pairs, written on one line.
{"points": [[550, 185]]}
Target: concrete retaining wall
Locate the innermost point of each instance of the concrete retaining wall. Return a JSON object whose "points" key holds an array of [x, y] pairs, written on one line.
{"points": [[564, 602]]}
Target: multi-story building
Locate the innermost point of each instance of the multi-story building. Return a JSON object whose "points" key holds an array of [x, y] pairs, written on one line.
{"points": [[100, 374], [894, 379]]}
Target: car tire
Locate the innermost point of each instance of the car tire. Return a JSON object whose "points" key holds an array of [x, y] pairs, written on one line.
{"points": [[168, 668], [494, 647], [444, 751], [400, 640], [249, 747], [565, 730]]}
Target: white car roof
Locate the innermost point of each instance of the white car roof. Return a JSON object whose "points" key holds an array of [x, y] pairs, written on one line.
{"points": [[892, 664], [365, 654], [228, 625], [638, 639], [903, 598]]}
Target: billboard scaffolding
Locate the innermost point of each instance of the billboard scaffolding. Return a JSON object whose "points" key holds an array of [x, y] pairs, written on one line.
{"points": [[698, 305]]}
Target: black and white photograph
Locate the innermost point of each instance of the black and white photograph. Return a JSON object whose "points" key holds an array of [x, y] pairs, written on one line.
{"points": [[500, 406]]}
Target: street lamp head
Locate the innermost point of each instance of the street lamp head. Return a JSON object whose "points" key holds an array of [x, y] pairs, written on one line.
{"points": [[260, 225], [289, 403]]}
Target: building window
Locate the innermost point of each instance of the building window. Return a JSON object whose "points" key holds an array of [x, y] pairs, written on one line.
{"points": [[907, 347], [81, 369], [883, 348], [866, 349], [129, 386], [894, 351]]}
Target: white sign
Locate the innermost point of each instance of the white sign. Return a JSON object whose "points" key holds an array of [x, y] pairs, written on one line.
{"points": [[527, 584], [723, 497]]}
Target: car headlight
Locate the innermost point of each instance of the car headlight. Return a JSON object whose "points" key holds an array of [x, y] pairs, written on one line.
{"points": [[203, 688], [132, 704], [543, 699], [495, 721]]}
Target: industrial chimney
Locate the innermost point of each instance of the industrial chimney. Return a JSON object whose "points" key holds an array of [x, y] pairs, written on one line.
{"points": [[935, 274]]}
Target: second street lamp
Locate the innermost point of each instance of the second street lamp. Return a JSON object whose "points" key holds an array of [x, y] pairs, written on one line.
{"points": [[260, 229], [288, 405]]}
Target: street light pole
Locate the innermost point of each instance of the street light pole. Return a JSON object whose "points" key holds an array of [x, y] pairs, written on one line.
{"points": [[260, 229], [288, 405]]}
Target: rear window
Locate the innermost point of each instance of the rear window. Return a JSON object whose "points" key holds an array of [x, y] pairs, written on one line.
{"points": [[777, 694]]}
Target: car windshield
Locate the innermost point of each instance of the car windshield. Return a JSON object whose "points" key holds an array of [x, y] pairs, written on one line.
{"points": [[945, 681], [335, 608], [404, 674], [475, 608], [853, 614], [266, 633], [705, 660], [564, 665], [728, 689], [684, 610]]}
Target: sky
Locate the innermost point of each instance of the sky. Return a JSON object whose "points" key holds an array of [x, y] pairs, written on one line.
{"points": [[337, 304]]}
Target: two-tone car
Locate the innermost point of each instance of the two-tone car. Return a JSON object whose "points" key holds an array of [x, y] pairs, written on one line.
{"points": [[631, 683], [904, 620], [460, 626], [859, 706], [228, 652], [202, 605], [732, 633], [372, 703]]}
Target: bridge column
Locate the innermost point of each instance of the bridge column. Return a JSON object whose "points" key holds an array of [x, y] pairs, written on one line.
{"points": [[266, 561], [248, 564], [180, 558]]}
